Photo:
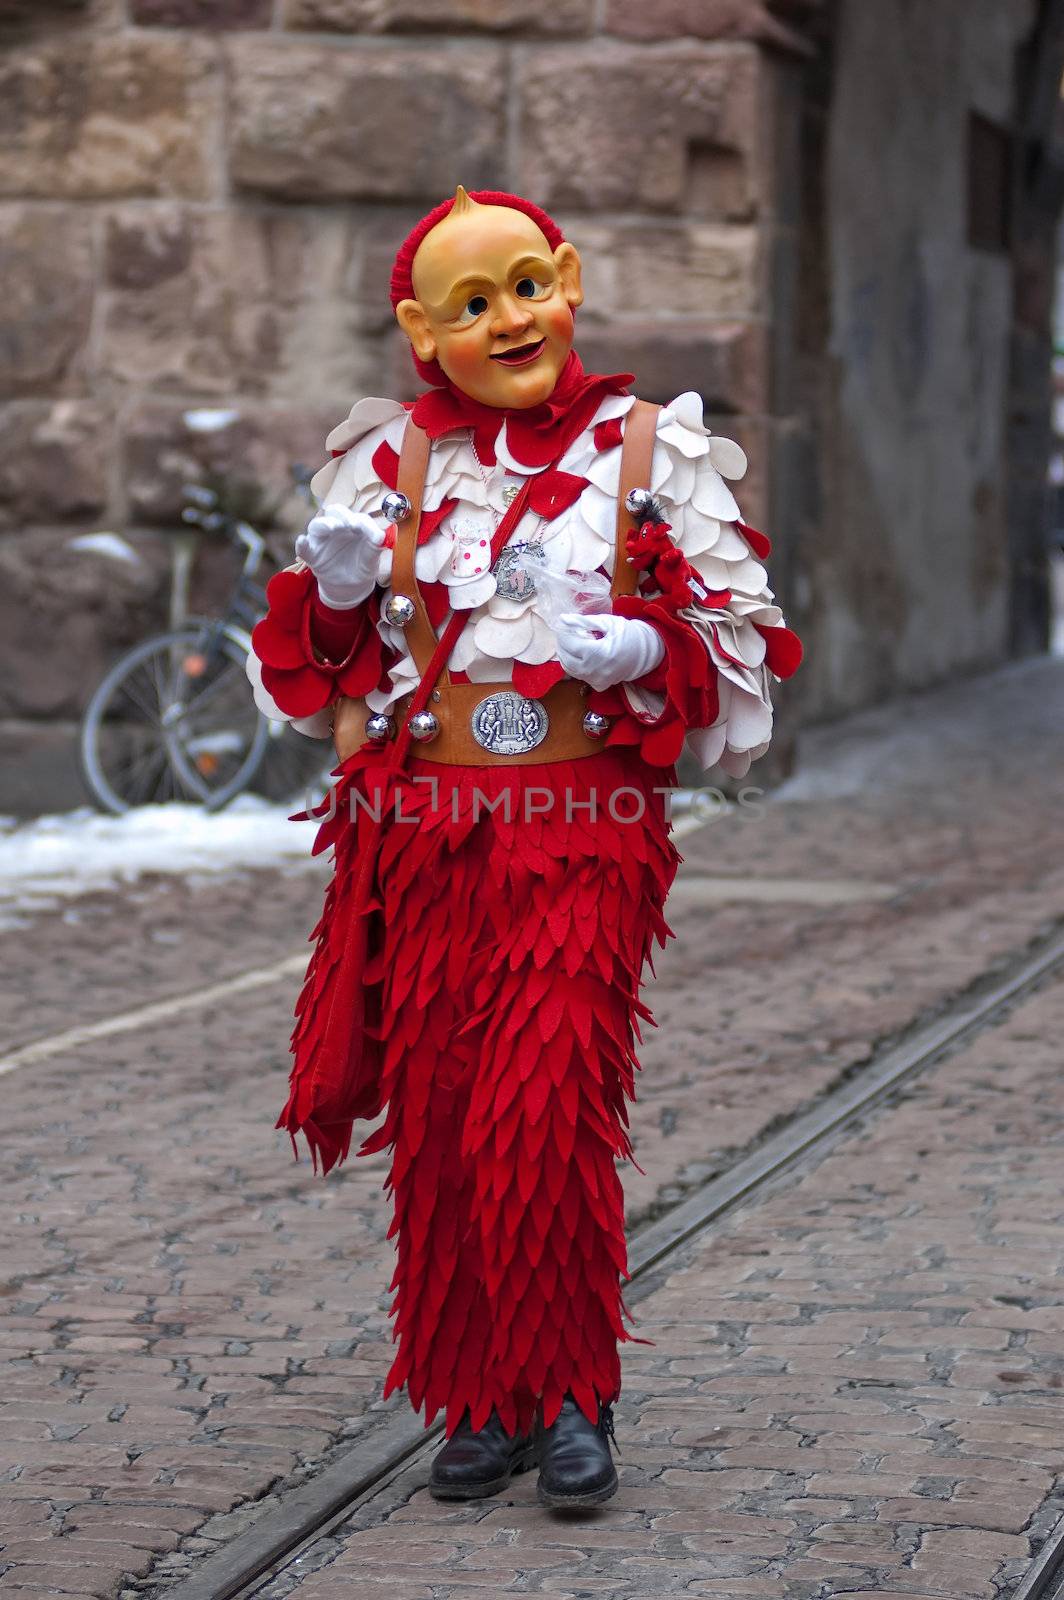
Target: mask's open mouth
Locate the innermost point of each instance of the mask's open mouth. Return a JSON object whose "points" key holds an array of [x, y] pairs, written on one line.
{"points": [[522, 355]]}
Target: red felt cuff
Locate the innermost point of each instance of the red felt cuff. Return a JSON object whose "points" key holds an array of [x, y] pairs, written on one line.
{"points": [[333, 633], [298, 631], [685, 675]]}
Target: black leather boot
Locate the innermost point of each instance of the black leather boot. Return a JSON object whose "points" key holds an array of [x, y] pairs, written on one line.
{"points": [[473, 1465], [575, 1465]]}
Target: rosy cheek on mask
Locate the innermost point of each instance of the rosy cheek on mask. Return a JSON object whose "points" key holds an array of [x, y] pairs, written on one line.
{"points": [[558, 321], [464, 358]]}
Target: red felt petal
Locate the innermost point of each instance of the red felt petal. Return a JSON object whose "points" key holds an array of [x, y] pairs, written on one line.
{"points": [[285, 594], [759, 543], [299, 693], [430, 520], [554, 492], [608, 434], [662, 745], [276, 646], [534, 681], [386, 464], [437, 598], [362, 673], [783, 649]]}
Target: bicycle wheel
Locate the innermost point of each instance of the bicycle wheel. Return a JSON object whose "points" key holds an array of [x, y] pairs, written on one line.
{"points": [[174, 719], [295, 769]]}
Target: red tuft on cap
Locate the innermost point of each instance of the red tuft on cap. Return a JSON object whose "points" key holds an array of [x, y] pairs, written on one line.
{"points": [[402, 284]]}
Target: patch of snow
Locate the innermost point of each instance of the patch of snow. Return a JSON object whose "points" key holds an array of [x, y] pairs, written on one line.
{"points": [[207, 421], [56, 858], [106, 544]]}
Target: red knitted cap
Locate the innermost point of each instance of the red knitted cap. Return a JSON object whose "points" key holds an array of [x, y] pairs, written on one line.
{"points": [[402, 279], [402, 285]]}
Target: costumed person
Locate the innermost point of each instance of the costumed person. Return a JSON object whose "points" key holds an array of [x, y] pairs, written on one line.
{"points": [[522, 594]]}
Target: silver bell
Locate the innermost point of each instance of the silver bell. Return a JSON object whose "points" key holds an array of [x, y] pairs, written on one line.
{"points": [[423, 725], [379, 726], [638, 502], [396, 506], [596, 726], [399, 609]]}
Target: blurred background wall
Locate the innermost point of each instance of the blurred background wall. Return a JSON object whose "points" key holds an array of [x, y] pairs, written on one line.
{"points": [[835, 221]]}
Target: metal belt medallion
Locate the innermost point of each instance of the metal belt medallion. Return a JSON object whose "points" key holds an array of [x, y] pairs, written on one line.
{"points": [[508, 724], [513, 581]]}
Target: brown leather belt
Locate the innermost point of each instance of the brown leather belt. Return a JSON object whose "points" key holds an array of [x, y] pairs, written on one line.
{"points": [[454, 705], [561, 709]]}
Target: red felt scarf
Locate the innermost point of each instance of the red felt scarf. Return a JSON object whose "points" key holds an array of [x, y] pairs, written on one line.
{"points": [[535, 436]]}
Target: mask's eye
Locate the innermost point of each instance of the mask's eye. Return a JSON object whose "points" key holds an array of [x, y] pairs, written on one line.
{"points": [[474, 307], [528, 288]]}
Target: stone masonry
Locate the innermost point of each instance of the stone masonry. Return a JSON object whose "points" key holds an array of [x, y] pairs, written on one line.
{"points": [[200, 199]]}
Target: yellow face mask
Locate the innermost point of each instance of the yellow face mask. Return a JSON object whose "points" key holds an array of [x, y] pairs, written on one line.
{"points": [[494, 304]]}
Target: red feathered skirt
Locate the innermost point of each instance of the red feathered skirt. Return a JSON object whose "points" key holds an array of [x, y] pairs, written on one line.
{"points": [[513, 909]]}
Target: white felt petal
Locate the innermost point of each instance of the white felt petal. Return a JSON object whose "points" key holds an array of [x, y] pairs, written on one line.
{"points": [[740, 639], [431, 557], [488, 669], [646, 703], [730, 545], [464, 649], [316, 726], [507, 609], [711, 496], [614, 405], [706, 745], [688, 410], [505, 638], [354, 480], [322, 481], [698, 536], [736, 763], [605, 472], [587, 551], [470, 592], [728, 457], [580, 456], [263, 698], [678, 486], [598, 512], [681, 441], [714, 574], [540, 647], [450, 455], [749, 576], [364, 415]]}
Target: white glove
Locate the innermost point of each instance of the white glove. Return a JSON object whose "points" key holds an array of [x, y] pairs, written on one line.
{"points": [[604, 650], [342, 548]]}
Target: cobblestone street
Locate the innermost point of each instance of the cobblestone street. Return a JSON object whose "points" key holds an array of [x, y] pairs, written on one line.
{"points": [[854, 1383], [855, 1388]]}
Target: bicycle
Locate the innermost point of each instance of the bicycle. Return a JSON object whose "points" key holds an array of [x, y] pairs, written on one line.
{"points": [[174, 718]]}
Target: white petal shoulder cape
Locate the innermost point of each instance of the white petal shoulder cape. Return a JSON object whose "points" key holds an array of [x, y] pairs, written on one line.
{"points": [[691, 472]]}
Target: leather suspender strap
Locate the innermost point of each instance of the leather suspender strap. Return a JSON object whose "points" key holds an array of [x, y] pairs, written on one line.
{"points": [[413, 465], [637, 453]]}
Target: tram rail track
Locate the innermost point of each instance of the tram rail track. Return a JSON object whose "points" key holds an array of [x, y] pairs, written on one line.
{"points": [[394, 1438]]}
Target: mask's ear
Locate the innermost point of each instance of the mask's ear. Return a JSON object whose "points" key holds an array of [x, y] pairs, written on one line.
{"points": [[411, 317], [568, 264]]}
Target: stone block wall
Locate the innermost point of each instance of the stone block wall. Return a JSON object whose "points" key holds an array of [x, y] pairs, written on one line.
{"points": [[907, 319], [199, 204]]}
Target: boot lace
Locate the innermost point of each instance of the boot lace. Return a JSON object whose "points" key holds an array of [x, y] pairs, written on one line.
{"points": [[606, 1423]]}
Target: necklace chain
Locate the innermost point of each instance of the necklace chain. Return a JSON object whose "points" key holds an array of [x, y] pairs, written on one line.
{"points": [[536, 537]]}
